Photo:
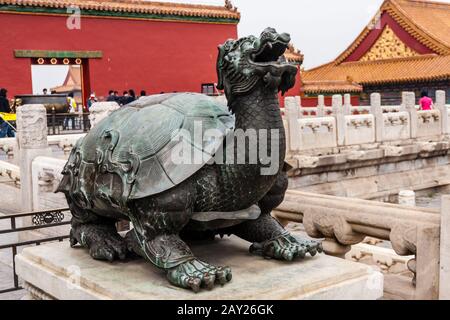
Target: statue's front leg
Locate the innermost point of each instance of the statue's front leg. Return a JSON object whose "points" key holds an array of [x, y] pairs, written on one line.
{"points": [[269, 237], [157, 224], [183, 269]]}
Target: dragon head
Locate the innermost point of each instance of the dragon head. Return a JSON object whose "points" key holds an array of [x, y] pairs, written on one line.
{"points": [[243, 64]]}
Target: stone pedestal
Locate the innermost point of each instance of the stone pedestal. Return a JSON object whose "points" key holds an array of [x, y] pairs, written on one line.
{"points": [[55, 271]]}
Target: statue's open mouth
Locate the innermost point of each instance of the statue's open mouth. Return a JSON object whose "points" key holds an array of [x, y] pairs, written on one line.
{"points": [[270, 62], [270, 53]]}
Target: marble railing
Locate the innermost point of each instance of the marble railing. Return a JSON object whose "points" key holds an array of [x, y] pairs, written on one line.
{"points": [[8, 145], [363, 125], [64, 142], [344, 222], [10, 171]]}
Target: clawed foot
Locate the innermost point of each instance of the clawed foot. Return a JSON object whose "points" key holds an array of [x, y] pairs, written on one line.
{"points": [[286, 247], [196, 274], [103, 241]]}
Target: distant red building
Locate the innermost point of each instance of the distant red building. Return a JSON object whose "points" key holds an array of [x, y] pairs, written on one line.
{"points": [[157, 47], [120, 45], [406, 47]]}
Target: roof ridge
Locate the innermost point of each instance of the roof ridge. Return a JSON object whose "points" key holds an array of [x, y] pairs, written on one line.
{"points": [[136, 6], [159, 3], [394, 8], [411, 20], [427, 3], [132, 2]]}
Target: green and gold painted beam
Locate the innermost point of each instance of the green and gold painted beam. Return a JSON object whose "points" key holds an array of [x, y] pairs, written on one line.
{"points": [[58, 54]]}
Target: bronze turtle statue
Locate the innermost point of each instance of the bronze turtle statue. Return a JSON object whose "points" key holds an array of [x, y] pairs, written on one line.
{"points": [[137, 165]]}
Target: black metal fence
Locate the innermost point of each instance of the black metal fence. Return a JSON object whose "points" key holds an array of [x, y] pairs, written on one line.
{"points": [[67, 123], [40, 220]]}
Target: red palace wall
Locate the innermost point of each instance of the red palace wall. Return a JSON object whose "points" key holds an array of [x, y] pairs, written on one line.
{"points": [[155, 56], [294, 91]]}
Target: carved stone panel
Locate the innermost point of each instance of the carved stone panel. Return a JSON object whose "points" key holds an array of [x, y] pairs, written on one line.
{"points": [[32, 126]]}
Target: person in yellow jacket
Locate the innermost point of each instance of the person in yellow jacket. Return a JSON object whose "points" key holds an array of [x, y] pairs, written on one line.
{"points": [[73, 108]]}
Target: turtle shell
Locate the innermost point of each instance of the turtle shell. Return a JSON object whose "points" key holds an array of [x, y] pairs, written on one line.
{"points": [[146, 148]]}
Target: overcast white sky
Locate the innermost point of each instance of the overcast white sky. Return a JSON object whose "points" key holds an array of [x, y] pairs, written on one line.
{"points": [[321, 29]]}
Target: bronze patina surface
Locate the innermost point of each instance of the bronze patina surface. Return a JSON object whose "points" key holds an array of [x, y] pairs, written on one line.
{"points": [[125, 169]]}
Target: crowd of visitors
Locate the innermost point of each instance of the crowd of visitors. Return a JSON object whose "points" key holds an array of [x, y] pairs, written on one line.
{"points": [[7, 129], [126, 97]]}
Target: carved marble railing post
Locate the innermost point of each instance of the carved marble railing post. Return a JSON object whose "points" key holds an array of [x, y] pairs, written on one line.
{"points": [[444, 274], [293, 127], [321, 106], [32, 143], [340, 119], [298, 101], [409, 102], [440, 105], [347, 104], [427, 262], [377, 111], [100, 110]]}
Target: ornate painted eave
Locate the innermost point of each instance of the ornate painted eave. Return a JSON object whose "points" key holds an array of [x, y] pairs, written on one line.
{"points": [[126, 9], [395, 8], [294, 55]]}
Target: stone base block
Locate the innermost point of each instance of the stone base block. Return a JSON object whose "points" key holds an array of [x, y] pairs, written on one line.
{"points": [[56, 271]]}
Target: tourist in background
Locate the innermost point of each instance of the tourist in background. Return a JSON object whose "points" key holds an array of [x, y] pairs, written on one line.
{"points": [[131, 96], [5, 127], [111, 96], [425, 102], [45, 92], [92, 99], [123, 99], [143, 94]]}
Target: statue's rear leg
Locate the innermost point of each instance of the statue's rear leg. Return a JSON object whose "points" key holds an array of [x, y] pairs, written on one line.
{"points": [[157, 223], [96, 233]]}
